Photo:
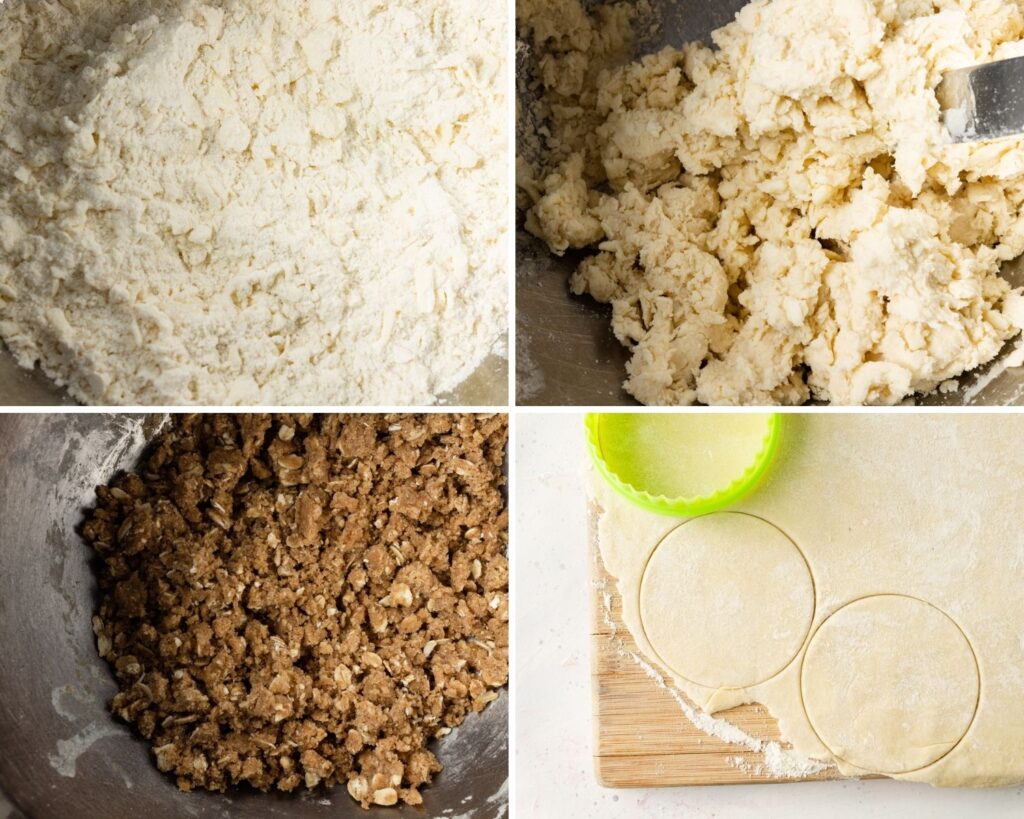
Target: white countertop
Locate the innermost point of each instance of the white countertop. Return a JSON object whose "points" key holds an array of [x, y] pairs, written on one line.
{"points": [[551, 683]]}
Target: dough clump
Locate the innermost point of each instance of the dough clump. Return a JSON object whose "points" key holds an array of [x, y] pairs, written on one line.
{"points": [[782, 217], [235, 202]]}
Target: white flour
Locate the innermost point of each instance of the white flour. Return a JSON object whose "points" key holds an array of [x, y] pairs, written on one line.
{"points": [[238, 202], [65, 760]]}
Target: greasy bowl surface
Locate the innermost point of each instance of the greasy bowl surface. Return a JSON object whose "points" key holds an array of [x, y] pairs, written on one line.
{"points": [[565, 350], [61, 752]]}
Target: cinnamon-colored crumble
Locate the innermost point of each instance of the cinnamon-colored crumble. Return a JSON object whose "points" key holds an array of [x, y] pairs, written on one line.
{"points": [[306, 599]]}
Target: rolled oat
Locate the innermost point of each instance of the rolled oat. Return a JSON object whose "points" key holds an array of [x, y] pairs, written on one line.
{"points": [[243, 578]]}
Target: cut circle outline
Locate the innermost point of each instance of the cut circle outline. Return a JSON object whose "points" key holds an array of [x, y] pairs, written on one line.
{"points": [[808, 630], [974, 659]]}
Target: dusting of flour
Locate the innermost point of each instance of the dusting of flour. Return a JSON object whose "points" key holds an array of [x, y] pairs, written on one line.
{"points": [[239, 202], [65, 759], [777, 761]]}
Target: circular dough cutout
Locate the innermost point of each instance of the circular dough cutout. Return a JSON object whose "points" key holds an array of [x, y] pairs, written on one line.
{"points": [[726, 600], [890, 684]]}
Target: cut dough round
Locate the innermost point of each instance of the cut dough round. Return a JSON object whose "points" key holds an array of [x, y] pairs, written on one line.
{"points": [[890, 684], [726, 600]]}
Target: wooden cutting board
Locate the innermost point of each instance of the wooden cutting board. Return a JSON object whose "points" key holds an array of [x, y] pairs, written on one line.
{"points": [[641, 737]]}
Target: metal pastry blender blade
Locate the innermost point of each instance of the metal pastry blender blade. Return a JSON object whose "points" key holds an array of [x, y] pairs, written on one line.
{"points": [[984, 101]]}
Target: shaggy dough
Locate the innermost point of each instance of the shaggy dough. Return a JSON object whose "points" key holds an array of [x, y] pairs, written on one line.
{"points": [[890, 684], [924, 506], [782, 218], [710, 604]]}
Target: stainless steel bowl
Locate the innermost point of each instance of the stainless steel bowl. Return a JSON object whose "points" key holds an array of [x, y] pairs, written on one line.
{"points": [[487, 387], [565, 351], [62, 755]]}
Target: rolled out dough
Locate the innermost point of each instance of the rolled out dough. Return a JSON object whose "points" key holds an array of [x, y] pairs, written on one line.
{"points": [[702, 581], [911, 674], [911, 664]]}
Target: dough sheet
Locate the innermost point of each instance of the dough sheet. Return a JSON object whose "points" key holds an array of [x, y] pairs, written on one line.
{"points": [[867, 593]]}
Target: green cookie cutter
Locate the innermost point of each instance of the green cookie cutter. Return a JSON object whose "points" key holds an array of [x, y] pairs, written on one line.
{"points": [[751, 458]]}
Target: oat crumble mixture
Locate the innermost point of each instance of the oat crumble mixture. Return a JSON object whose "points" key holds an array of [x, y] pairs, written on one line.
{"points": [[296, 600]]}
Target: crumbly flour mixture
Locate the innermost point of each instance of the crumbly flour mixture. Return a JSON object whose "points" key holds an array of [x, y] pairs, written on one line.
{"points": [[239, 202], [781, 217], [882, 631], [300, 600]]}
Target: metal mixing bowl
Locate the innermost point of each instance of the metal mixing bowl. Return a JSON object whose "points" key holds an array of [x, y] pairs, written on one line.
{"points": [[487, 387], [566, 353], [62, 755]]}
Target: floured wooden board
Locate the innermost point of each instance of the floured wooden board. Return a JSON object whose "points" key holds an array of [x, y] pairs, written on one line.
{"points": [[642, 736], [867, 593]]}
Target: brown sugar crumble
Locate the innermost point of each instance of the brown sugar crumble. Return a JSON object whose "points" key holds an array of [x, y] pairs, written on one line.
{"points": [[295, 600]]}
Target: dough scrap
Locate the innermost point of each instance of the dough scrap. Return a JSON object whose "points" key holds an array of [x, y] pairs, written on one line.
{"points": [[890, 684], [781, 218], [710, 602]]}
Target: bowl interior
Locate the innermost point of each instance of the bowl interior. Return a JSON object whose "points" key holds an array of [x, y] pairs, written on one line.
{"points": [[486, 387], [566, 353], [62, 754]]}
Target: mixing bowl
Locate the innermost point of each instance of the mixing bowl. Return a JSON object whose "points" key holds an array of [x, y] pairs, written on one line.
{"points": [[62, 755], [566, 353], [487, 387]]}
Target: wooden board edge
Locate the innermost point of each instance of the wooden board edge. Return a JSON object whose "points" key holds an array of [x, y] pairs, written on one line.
{"points": [[609, 770]]}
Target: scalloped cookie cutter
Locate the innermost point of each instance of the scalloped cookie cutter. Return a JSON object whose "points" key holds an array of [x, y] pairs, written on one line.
{"points": [[641, 455]]}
